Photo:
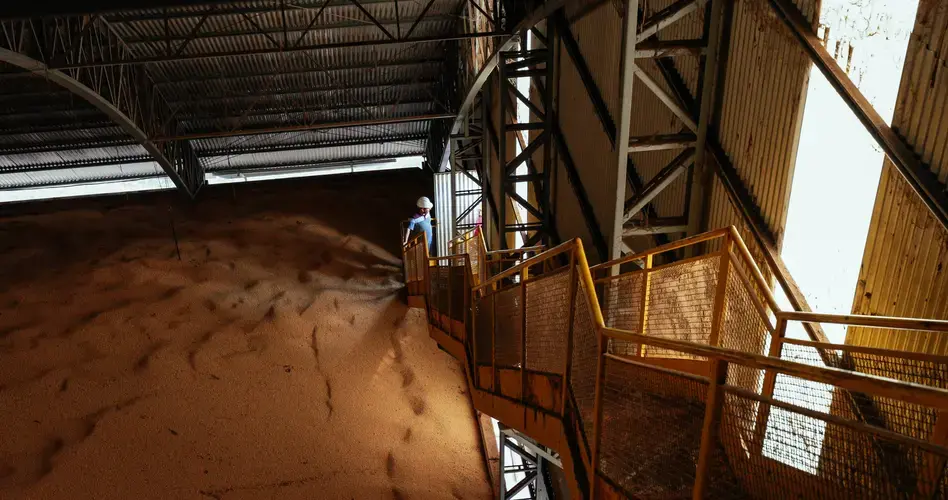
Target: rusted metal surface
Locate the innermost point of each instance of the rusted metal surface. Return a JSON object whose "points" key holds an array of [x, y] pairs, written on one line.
{"points": [[905, 266]]}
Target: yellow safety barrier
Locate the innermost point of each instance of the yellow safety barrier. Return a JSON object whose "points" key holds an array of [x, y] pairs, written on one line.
{"points": [[677, 380]]}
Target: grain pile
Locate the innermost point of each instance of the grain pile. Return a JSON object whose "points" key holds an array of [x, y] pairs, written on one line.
{"points": [[274, 360]]}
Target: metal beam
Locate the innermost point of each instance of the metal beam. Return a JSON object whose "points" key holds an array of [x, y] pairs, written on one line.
{"points": [[668, 16], [918, 175], [658, 184], [313, 126], [661, 142], [666, 99], [124, 94]]}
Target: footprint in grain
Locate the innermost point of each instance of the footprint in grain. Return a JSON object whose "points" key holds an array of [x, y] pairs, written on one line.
{"points": [[390, 464], [418, 405]]}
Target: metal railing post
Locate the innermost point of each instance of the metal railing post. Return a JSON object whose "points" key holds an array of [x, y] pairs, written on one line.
{"points": [[710, 428], [643, 307], [524, 274], [770, 382], [720, 296]]}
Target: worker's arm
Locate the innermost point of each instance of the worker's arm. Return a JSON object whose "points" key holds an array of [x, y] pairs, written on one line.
{"points": [[411, 225]]}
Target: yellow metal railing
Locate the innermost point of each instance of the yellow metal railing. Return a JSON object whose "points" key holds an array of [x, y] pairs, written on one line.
{"points": [[486, 263], [678, 380]]}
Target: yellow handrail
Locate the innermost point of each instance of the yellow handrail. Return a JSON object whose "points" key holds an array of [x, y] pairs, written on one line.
{"points": [[737, 375]]}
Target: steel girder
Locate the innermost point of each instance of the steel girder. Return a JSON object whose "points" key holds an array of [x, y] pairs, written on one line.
{"points": [[533, 135], [125, 94]]}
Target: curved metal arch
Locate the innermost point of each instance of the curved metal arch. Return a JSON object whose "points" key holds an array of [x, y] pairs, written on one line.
{"points": [[540, 13], [144, 109]]}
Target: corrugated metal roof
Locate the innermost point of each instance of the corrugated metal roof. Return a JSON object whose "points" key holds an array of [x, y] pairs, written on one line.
{"points": [[310, 157], [905, 265], [42, 125], [761, 113], [64, 176]]}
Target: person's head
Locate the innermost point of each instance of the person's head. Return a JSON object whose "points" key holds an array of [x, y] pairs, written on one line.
{"points": [[424, 205]]}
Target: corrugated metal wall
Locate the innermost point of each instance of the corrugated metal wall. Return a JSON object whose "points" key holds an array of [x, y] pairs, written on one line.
{"points": [[905, 266], [442, 212], [598, 37], [761, 113]]}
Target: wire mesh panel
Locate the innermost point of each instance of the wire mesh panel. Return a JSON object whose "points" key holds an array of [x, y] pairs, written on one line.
{"points": [[459, 290], [483, 326], [622, 309], [743, 329], [899, 416], [547, 322], [584, 364], [681, 303], [508, 323], [651, 430], [858, 462]]}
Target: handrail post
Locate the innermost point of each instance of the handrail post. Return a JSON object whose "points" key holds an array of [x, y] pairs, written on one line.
{"points": [[567, 363], [450, 262], [770, 382], [643, 307], [720, 296], [710, 428], [597, 413], [524, 274], [493, 338]]}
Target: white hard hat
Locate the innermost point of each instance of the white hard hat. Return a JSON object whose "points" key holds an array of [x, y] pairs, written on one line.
{"points": [[424, 202]]}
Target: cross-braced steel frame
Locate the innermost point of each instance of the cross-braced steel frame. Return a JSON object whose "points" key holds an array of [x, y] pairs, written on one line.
{"points": [[530, 134], [62, 50], [470, 159]]}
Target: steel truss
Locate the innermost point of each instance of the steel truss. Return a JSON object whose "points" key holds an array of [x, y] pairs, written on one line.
{"points": [[470, 160], [533, 135], [523, 471], [125, 94], [639, 217]]}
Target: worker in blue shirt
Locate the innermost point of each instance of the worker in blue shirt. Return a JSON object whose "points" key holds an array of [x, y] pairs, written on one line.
{"points": [[421, 221]]}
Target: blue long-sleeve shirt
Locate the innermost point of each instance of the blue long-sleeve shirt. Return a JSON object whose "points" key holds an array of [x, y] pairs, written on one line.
{"points": [[422, 223]]}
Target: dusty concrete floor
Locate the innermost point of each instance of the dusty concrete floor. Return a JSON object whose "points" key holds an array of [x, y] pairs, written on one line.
{"points": [[274, 360]]}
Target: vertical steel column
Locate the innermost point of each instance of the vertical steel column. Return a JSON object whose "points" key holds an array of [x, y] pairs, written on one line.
{"points": [[502, 153], [453, 146], [614, 229], [697, 193]]}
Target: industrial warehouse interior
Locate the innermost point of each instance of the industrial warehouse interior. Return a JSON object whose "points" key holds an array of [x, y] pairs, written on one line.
{"points": [[463, 249]]}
